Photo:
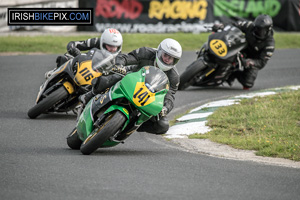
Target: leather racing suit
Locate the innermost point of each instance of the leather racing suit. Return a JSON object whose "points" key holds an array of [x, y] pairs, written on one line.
{"points": [[259, 52]]}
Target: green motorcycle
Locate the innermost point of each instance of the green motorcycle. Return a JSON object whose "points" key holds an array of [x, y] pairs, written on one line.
{"points": [[109, 118]]}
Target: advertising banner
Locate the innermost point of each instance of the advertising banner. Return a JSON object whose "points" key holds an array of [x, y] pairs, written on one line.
{"points": [[163, 16]]}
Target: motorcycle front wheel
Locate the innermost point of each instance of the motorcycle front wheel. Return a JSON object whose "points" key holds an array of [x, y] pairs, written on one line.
{"points": [[187, 78], [47, 102], [108, 128]]}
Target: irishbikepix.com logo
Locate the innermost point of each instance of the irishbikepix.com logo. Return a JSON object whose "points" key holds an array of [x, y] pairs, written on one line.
{"points": [[49, 16]]}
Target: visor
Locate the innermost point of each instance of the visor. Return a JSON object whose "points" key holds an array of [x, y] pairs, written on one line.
{"points": [[118, 47], [260, 33], [164, 57]]}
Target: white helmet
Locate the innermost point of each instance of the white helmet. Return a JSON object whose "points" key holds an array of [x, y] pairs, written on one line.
{"points": [[170, 47], [111, 37]]}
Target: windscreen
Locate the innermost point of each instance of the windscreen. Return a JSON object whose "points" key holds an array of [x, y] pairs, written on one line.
{"points": [[156, 79], [102, 61], [235, 36]]}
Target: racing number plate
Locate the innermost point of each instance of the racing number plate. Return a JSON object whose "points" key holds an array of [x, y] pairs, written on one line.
{"points": [[85, 73], [218, 47], [142, 96]]}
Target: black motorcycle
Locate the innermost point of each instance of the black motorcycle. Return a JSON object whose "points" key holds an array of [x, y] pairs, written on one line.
{"points": [[60, 92], [218, 58]]}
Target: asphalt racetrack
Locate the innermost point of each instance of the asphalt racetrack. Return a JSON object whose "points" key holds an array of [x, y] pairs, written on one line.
{"points": [[36, 162]]}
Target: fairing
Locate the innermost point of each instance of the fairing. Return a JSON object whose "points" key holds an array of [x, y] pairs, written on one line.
{"points": [[94, 64], [144, 92], [145, 89], [226, 44]]}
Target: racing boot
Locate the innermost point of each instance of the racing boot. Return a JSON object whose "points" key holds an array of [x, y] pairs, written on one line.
{"points": [[155, 126]]}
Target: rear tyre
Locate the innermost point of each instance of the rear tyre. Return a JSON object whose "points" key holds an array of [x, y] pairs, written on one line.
{"points": [[187, 77], [108, 128], [46, 103], [73, 140]]}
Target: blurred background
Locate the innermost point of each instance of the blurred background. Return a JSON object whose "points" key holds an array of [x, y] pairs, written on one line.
{"points": [[161, 16]]}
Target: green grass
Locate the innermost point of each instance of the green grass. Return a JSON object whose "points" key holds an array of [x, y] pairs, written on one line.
{"points": [[269, 125], [57, 44], [287, 40]]}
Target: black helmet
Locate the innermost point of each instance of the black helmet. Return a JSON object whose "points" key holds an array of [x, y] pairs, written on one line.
{"points": [[262, 26]]}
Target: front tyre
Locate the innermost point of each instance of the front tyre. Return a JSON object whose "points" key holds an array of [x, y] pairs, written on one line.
{"points": [[47, 102], [73, 140], [113, 123], [187, 78]]}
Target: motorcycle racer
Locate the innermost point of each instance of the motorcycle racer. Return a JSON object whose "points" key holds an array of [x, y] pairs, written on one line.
{"points": [[166, 56], [111, 40], [261, 45]]}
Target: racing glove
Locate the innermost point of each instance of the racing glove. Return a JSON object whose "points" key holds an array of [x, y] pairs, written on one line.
{"points": [[74, 51], [217, 27], [248, 63], [120, 69], [163, 112]]}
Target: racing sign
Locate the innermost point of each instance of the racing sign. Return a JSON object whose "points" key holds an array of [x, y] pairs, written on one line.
{"points": [[163, 16]]}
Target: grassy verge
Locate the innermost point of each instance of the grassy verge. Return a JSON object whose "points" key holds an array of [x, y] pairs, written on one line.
{"points": [[57, 44], [270, 125]]}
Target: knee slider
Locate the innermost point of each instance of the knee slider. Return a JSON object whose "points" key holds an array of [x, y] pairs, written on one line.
{"points": [[163, 126]]}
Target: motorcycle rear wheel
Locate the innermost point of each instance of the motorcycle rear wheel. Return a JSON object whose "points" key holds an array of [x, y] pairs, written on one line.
{"points": [[46, 103], [187, 77], [73, 140], [108, 128]]}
